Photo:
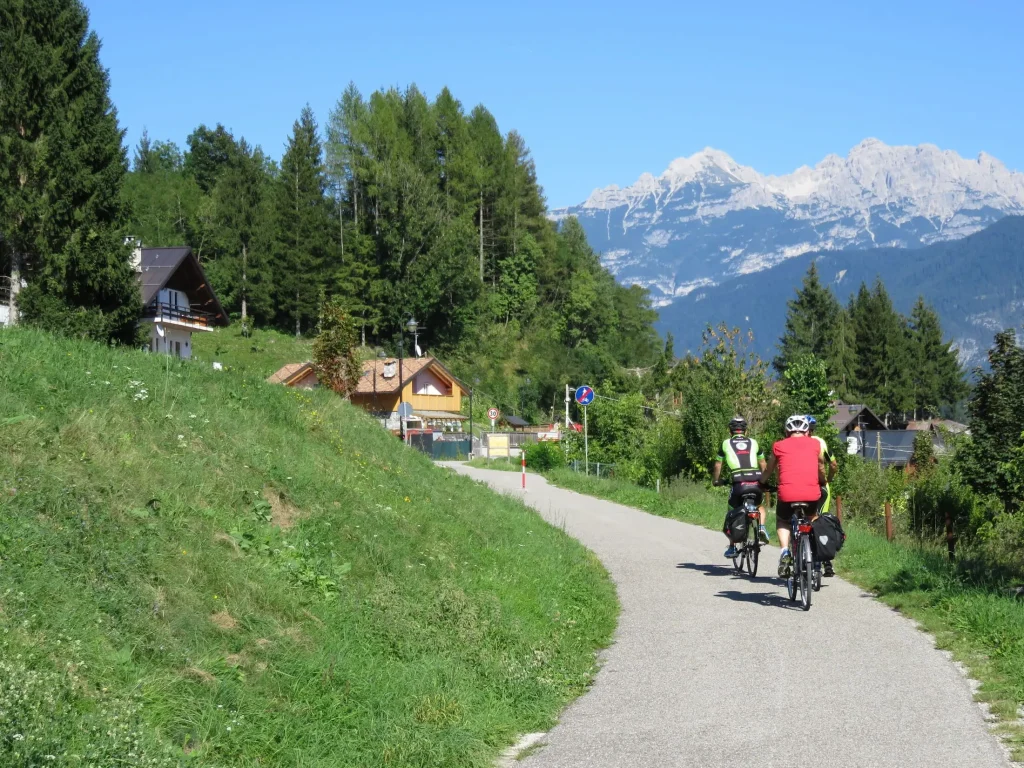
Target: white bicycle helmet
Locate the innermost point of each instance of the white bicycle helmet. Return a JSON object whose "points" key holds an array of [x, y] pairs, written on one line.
{"points": [[797, 424]]}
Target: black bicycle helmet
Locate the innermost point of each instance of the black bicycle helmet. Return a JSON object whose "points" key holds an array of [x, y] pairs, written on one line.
{"points": [[738, 424]]}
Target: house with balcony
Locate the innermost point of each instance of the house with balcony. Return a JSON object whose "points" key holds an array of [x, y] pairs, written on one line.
{"points": [[177, 299], [431, 394]]}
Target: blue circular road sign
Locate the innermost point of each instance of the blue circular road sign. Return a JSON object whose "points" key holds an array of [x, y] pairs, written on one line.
{"points": [[584, 395]]}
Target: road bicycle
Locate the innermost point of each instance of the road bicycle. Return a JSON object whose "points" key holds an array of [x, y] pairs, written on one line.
{"points": [[805, 574], [748, 553]]}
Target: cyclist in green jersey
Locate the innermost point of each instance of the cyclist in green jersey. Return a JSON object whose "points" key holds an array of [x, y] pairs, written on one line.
{"points": [[744, 459], [826, 489]]}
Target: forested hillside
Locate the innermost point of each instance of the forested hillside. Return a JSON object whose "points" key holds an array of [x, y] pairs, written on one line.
{"points": [[973, 284], [403, 206]]}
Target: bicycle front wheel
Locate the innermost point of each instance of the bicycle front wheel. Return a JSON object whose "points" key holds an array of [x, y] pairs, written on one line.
{"points": [[806, 573]]}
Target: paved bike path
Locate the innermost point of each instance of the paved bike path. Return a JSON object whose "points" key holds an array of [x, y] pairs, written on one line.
{"points": [[849, 684]]}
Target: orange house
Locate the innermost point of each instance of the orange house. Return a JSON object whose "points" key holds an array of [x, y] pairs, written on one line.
{"points": [[433, 392]]}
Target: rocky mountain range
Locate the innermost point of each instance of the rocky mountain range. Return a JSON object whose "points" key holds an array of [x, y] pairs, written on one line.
{"points": [[707, 219]]}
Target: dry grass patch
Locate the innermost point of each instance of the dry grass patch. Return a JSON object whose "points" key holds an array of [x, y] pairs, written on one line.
{"points": [[224, 620], [199, 674], [283, 513]]}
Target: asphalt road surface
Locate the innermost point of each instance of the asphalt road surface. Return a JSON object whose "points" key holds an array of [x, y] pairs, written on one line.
{"points": [[711, 669]]}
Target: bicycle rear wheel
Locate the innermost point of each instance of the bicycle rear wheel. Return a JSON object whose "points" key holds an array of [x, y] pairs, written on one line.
{"points": [[806, 573]]}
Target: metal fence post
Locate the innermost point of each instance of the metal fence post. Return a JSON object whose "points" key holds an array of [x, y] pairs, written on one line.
{"points": [[599, 469]]}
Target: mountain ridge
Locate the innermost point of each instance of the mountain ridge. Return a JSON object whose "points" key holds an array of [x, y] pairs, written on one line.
{"points": [[976, 285], [707, 218]]}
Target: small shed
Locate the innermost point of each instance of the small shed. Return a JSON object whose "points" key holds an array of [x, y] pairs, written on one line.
{"points": [[515, 423]]}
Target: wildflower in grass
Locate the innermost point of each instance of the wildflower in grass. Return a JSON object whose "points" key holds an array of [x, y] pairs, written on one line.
{"points": [[407, 498]]}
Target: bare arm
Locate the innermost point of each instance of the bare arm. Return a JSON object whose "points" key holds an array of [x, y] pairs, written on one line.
{"points": [[822, 477], [768, 471], [716, 472], [833, 470]]}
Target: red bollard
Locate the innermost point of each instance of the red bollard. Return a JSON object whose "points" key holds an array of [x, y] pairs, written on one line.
{"points": [[524, 471]]}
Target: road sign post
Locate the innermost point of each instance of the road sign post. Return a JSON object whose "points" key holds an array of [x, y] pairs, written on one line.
{"points": [[584, 397], [492, 414]]}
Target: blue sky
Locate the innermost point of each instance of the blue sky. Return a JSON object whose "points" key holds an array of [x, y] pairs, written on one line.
{"points": [[602, 92]]}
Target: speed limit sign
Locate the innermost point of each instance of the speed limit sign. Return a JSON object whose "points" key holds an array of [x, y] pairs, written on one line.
{"points": [[492, 414]]}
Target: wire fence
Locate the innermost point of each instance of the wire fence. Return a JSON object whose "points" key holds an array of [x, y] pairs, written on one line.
{"points": [[598, 468]]}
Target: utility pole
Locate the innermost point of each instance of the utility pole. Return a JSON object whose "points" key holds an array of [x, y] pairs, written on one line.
{"points": [[878, 448]]}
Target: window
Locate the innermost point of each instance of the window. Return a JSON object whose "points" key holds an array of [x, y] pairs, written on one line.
{"points": [[177, 348]]}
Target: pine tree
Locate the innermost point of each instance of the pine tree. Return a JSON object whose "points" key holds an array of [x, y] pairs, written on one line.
{"points": [[62, 165], [936, 373], [302, 237], [144, 161], [240, 203], [996, 411], [811, 322], [883, 356]]}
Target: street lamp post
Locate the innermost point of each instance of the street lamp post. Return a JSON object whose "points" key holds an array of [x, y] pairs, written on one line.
{"points": [[412, 327]]}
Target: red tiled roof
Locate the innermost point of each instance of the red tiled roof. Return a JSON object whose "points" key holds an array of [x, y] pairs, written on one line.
{"points": [[288, 372], [410, 367]]}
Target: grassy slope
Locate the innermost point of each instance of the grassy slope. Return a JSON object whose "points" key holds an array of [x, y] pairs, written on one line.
{"points": [[408, 618], [981, 625], [259, 354]]}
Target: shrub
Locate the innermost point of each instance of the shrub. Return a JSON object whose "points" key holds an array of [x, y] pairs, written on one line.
{"points": [[865, 487], [544, 456]]}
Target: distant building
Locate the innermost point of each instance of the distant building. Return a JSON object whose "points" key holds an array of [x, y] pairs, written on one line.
{"points": [[177, 299], [297, 375], [431, 392], [851, 422]]}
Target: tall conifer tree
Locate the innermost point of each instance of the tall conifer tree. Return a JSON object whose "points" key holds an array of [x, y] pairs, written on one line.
{"points": [[62, 164], [302, 238]]}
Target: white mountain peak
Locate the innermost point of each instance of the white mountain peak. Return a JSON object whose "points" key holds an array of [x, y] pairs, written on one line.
{"points": [[933, 182]]}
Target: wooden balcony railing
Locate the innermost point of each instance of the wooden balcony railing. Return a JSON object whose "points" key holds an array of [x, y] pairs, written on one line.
{"points": [[159, 310]]}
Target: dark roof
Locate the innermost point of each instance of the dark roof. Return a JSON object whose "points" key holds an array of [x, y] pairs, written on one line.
{"points": [[848, 416], [178, 266], [515, 421]]}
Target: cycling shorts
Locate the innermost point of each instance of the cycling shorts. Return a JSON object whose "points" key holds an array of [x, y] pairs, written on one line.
{"points": [[784, 511], [742, 488]]}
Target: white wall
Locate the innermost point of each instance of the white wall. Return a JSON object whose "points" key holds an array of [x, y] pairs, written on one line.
{"points": [[426, 383], [173, 340]]}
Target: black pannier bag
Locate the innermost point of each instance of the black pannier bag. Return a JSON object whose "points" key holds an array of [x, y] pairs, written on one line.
{"points": [[828, 536], [736, 525]]}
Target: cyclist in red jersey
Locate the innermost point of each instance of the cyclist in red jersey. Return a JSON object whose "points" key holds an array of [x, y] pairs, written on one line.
{"points": [[801, 476]]}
